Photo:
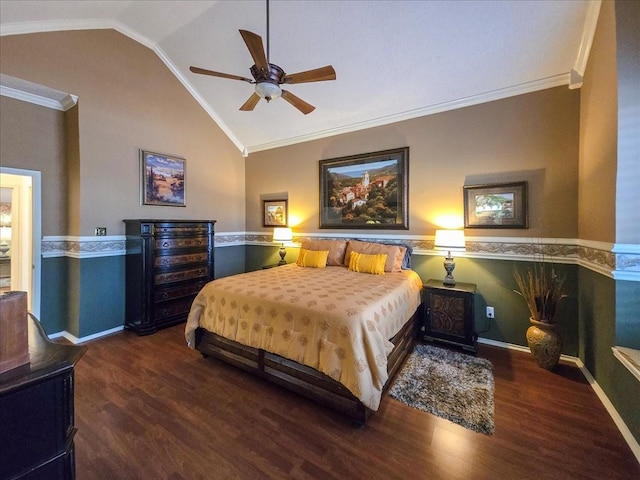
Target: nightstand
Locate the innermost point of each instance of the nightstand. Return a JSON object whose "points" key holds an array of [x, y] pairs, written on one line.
{"points": [[450, 313]]}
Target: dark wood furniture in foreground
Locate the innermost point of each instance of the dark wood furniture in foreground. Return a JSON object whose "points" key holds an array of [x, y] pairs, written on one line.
{"points": [[36, 411], [300, 378], [167, 263], [450, 313]]}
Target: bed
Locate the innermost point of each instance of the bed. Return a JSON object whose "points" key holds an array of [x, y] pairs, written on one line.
{"points": [[319, 327]]}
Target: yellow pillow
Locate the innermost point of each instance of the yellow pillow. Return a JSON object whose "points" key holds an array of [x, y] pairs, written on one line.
{"points": [[312, 258], [363, 263]]}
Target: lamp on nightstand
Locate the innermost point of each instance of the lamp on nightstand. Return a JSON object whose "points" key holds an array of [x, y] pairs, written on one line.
{"points": [[281, 235], [449, 240]]}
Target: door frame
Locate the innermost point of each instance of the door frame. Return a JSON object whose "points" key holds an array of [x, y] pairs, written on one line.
{"points": [[36, 233]]}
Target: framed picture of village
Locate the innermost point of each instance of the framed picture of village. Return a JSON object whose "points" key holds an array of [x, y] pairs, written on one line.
{"points": [[162, 179], [367, 191], [501, 205]]}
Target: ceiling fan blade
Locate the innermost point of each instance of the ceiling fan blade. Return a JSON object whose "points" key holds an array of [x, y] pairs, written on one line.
{"points": [[297, 102], [218, 74], [251, 103], [316, 75], [256, 49]]}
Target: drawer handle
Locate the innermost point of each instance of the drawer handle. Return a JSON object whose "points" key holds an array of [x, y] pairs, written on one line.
{"points": [[165, 244]]}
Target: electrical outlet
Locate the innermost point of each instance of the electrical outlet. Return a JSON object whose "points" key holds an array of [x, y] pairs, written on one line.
{"points": [[101, 231], [490, 312]]}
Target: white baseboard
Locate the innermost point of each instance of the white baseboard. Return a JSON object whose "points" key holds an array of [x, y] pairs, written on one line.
{"points": [[75, 340], [617, 419]]}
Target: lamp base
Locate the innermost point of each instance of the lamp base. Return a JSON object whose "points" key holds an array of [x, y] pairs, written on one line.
{"points": [[449, 265], [283, 253]]}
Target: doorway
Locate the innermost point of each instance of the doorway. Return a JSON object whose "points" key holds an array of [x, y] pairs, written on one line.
{"points": [[20, 234]]}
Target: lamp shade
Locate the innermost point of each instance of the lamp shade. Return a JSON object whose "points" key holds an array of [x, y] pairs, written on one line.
{"points": [[449, 240], [282, 234], [5, 234]]}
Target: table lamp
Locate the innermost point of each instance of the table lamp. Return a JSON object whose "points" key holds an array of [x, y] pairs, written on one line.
{"points": [[449, 240], [281, 235]]}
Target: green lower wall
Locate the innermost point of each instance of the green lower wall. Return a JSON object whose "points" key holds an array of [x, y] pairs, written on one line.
{"points": [[103, 305], [82, 297], [54, 305], [96, 295], [627, 308], [601, 322], [229, 260], [257, 256]]}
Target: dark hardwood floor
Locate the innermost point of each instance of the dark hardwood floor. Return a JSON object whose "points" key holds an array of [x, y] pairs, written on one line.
{"points": [[150, 408]]}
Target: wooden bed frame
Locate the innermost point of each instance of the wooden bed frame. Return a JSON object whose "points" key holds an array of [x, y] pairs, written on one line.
{"points": [[302, 379]]}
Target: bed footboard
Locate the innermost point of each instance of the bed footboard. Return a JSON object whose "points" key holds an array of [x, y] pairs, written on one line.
{"points": [[300, 378]]}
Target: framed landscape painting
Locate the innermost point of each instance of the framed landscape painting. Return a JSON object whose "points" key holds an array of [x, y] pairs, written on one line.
{"points": [[162, 178], [501, 205], [275, 213], [366, 191]]}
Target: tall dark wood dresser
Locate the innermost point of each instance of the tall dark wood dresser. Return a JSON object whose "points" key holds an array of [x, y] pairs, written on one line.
{"points": [[36, 411], [167, 263]]}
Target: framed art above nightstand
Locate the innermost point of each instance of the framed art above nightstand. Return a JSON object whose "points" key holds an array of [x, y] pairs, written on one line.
{"points": [[450, 314]]}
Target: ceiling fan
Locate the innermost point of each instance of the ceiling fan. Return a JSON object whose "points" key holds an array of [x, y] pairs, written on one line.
{"points": [[267, 77]]}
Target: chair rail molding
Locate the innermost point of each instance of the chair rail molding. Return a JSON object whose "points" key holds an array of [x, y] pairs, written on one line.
{"points": [[617, 261]]}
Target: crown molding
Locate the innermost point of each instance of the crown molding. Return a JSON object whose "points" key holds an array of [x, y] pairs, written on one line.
{"points": [[25, 91], [105, 23], [541, 84], [588, 32]]}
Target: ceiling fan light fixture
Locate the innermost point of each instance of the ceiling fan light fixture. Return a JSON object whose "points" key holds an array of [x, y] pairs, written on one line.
{"points": [[269, 91]]}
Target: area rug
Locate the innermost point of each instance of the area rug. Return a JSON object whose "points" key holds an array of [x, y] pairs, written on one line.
{"points": [[450, 384]]}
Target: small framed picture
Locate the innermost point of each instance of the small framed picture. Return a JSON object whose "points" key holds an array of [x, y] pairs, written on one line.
{"points": [[275, 213], [162, 179], [500, 205]]}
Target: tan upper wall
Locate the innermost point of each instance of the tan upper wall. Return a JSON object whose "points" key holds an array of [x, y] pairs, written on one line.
{"points": [[531, 137], [128, 99], [628, 171], [33, 138], [598, 134]]}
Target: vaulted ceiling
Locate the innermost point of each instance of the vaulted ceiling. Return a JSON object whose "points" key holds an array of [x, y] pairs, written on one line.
{"points": [[394, 60]]}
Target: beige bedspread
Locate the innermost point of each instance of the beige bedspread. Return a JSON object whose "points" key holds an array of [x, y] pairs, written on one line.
{"points": [[331, 319]]}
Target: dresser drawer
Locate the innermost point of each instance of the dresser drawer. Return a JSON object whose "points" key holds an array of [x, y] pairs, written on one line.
{"points": [[179, 308], [173, 230], [178, 260], [178, 292], [181, 275], [167, 243]]}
